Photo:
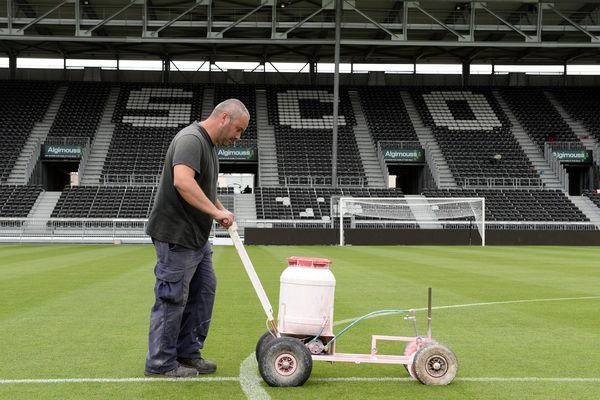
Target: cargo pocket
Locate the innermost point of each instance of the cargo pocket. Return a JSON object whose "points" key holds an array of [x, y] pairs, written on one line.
{"points": [[169, 284]]}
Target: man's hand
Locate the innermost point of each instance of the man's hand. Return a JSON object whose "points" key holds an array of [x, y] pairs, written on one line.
{"points": [[225, 218]]}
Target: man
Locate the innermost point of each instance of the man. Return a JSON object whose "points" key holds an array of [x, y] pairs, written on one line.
{"points": [[179, 225]]}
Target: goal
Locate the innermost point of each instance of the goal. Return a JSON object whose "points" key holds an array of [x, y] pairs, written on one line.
{"points": [[410, 212]]}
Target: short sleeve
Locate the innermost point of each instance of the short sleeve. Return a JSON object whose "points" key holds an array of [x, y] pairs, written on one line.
{"points": [[188, 151]]}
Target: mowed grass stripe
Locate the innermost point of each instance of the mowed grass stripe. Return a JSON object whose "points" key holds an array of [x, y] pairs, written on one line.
{"points": [[96, 328], [99, 328], [41, 280], [510, 270]]}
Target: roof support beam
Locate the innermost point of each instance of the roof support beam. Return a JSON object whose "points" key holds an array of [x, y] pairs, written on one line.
{"points": [[9, 19], [594, 38], [232, 25], [483, 6], [21, 30], [299, 24], [77, 18], [415, 4], [177, 18], [540, 19], [273, 21], [103, 22], [209, 22], [371, 20], [145, 19]]}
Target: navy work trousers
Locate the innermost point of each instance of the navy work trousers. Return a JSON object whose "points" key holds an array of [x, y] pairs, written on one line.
{"points": [[184, 296]]}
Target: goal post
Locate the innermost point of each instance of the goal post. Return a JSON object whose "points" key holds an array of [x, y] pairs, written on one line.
{"points": [[410, 212]]}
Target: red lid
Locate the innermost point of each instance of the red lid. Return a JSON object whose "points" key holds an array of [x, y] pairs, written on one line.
{"points": [[308, 262]]}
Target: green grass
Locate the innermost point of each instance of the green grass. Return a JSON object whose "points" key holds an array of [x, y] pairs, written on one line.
{"points": [[81, 311]]}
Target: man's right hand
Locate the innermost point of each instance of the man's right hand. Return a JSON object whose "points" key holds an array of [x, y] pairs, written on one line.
{"points": [[225, 218]]}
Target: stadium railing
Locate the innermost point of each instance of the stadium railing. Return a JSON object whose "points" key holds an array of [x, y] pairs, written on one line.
{"points": [[318, 180], [72, 230], [499, 183], [130, 180]]}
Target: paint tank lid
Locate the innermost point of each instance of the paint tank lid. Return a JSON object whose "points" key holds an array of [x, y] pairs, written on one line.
{"points": [[308, 262]]}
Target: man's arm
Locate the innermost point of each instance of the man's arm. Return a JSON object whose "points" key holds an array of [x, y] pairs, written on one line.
{"points": [[220, 205], [186, 185]]}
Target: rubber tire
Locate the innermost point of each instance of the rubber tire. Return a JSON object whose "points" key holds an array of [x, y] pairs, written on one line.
{"points": [[264, 340], [296, 351], [431, 353]]}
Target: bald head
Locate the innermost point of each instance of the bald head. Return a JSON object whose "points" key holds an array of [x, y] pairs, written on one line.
{"points": [[227, 122], [233, 107]]}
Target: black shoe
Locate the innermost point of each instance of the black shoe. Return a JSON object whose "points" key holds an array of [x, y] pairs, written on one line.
{"points": [[180, 372], [201, 365]]}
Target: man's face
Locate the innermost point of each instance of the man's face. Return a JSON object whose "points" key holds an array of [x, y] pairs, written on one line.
{"points": [[232, 128]]}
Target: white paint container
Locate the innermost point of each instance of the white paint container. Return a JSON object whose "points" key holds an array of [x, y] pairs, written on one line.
{"points": [[306, 293]]}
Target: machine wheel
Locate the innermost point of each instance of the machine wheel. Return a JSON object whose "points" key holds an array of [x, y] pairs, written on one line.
{"points": [[435, 364], [285, 361], [264, 340]]}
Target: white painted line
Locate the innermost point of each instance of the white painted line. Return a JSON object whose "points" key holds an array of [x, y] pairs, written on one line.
{"points": [[529, 379], [119, 380], [255, 394], [491, 303], [249, 380], [466, 379]]}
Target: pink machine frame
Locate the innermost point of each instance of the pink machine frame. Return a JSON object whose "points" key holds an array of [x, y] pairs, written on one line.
{"points": [[332, 356]]}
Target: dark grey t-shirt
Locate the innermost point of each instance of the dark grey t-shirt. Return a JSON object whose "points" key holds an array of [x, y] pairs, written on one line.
{"points": [[172, 219]]}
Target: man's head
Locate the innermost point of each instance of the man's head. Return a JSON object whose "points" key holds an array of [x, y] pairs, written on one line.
{"points": [[227, 122]]}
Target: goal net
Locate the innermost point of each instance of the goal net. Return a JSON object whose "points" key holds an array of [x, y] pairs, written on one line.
{"points": [[412, 212]]}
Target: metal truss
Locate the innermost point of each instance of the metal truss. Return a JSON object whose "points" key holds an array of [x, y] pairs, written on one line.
{"points": [[280, 22]]}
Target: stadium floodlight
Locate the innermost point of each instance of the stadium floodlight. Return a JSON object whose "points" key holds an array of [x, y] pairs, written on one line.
{"points": [[410, 212]]}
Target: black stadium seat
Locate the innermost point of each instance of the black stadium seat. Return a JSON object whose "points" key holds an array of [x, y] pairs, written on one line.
{"points": [[302, 117], [474, 146], [22, 104]]}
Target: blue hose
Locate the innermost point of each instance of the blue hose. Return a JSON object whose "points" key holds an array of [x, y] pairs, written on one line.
{"points": [[356, 321]]}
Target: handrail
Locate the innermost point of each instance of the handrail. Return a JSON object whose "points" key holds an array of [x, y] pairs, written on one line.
{"points": [[557, 167], [32, 161], [130, 179], [323, 180], [382, 164], [496, 182]]}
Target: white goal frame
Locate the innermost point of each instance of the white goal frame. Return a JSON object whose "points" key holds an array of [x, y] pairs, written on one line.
{"points": [[341, 210]]}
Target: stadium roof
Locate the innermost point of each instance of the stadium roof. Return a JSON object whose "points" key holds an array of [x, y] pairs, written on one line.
{"points": [[508, 31]]}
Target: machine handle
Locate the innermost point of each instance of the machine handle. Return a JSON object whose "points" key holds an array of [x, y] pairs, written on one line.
{"points": [[258, 288]]}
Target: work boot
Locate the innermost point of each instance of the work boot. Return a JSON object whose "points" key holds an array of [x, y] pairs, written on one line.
{"points": [[201, 365], [180, 372]]}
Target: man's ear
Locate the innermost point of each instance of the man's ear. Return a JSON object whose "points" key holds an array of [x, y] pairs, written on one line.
{"points": [[225, 118]]}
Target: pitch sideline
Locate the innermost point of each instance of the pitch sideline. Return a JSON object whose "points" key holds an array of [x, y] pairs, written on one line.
{"points": [[345, 379]]}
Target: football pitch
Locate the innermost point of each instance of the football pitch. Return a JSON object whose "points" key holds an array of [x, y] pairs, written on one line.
{"points": [[524, 322]]}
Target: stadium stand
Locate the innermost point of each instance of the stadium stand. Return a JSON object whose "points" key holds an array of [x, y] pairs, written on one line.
{"points": [[593, 196], [386, 114], [302, 118], [146, 118], [582, 105], [474, 134], [537, 115], [148, 115], [308, 203], [105, 202], [80, 111], [17, 201], [519, 204], [22, 104]]}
